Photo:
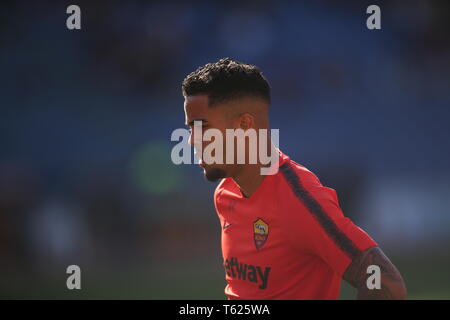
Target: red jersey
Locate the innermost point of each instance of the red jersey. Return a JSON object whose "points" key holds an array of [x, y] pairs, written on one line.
{"points": [[289, 240]]}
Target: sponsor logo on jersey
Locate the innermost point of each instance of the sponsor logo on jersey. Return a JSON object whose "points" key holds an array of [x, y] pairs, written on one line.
{"points": [[247, 272]]}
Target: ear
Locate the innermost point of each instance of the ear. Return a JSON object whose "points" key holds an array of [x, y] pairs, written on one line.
{"points": [[246, 121]]}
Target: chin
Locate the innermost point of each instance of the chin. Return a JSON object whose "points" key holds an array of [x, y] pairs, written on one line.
{"points": [[214, 174]]}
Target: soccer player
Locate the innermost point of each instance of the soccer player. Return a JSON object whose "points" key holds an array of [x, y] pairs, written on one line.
{"points": [[284, 235]]}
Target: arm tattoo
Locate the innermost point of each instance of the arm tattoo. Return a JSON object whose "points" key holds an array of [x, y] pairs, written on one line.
{"points": [[392, 285]]}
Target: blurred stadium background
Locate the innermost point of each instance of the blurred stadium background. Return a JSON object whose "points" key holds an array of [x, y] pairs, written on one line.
{"points": [[86, 118]]}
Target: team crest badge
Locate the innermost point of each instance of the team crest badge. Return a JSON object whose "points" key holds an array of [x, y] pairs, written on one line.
{"points": [[260, 232]]}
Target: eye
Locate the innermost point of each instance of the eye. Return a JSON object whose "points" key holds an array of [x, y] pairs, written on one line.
{"points": [[203, 127]]}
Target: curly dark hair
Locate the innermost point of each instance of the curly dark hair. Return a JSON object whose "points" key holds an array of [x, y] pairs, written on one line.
{"points": [[227, 79]]}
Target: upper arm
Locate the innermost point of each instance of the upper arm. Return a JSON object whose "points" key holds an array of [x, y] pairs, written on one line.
{"points": [[317, 225], [392, 284]]}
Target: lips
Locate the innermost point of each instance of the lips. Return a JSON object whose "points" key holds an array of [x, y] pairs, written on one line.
{"points": [[202, 164]]}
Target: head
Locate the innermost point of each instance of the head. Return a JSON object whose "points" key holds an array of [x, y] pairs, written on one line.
{"points": [[226, 94]]}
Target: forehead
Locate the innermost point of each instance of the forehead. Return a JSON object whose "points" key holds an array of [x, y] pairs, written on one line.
{"points": [[196, 107], [196, 103]]}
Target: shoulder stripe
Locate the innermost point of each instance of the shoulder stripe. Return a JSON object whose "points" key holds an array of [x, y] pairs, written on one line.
{"points": [[341, 240]]}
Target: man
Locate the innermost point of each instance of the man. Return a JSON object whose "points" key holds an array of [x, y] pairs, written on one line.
{"points": [[284, 235]]}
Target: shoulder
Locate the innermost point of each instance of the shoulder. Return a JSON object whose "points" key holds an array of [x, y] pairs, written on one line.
{"points": [[295, 173], [302, 187]]}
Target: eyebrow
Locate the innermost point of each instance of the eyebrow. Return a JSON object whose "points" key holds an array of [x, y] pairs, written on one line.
{"points": [[191, 123]]}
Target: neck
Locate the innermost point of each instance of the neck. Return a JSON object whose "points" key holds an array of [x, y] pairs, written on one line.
{"points": [[249, 179], [249, 176]]}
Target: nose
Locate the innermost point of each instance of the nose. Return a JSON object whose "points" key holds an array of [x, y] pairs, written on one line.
{"points": [[196, 142], [191, 138]]}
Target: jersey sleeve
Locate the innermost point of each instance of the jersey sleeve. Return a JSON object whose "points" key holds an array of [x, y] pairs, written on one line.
{"points": [[316, 224]]}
